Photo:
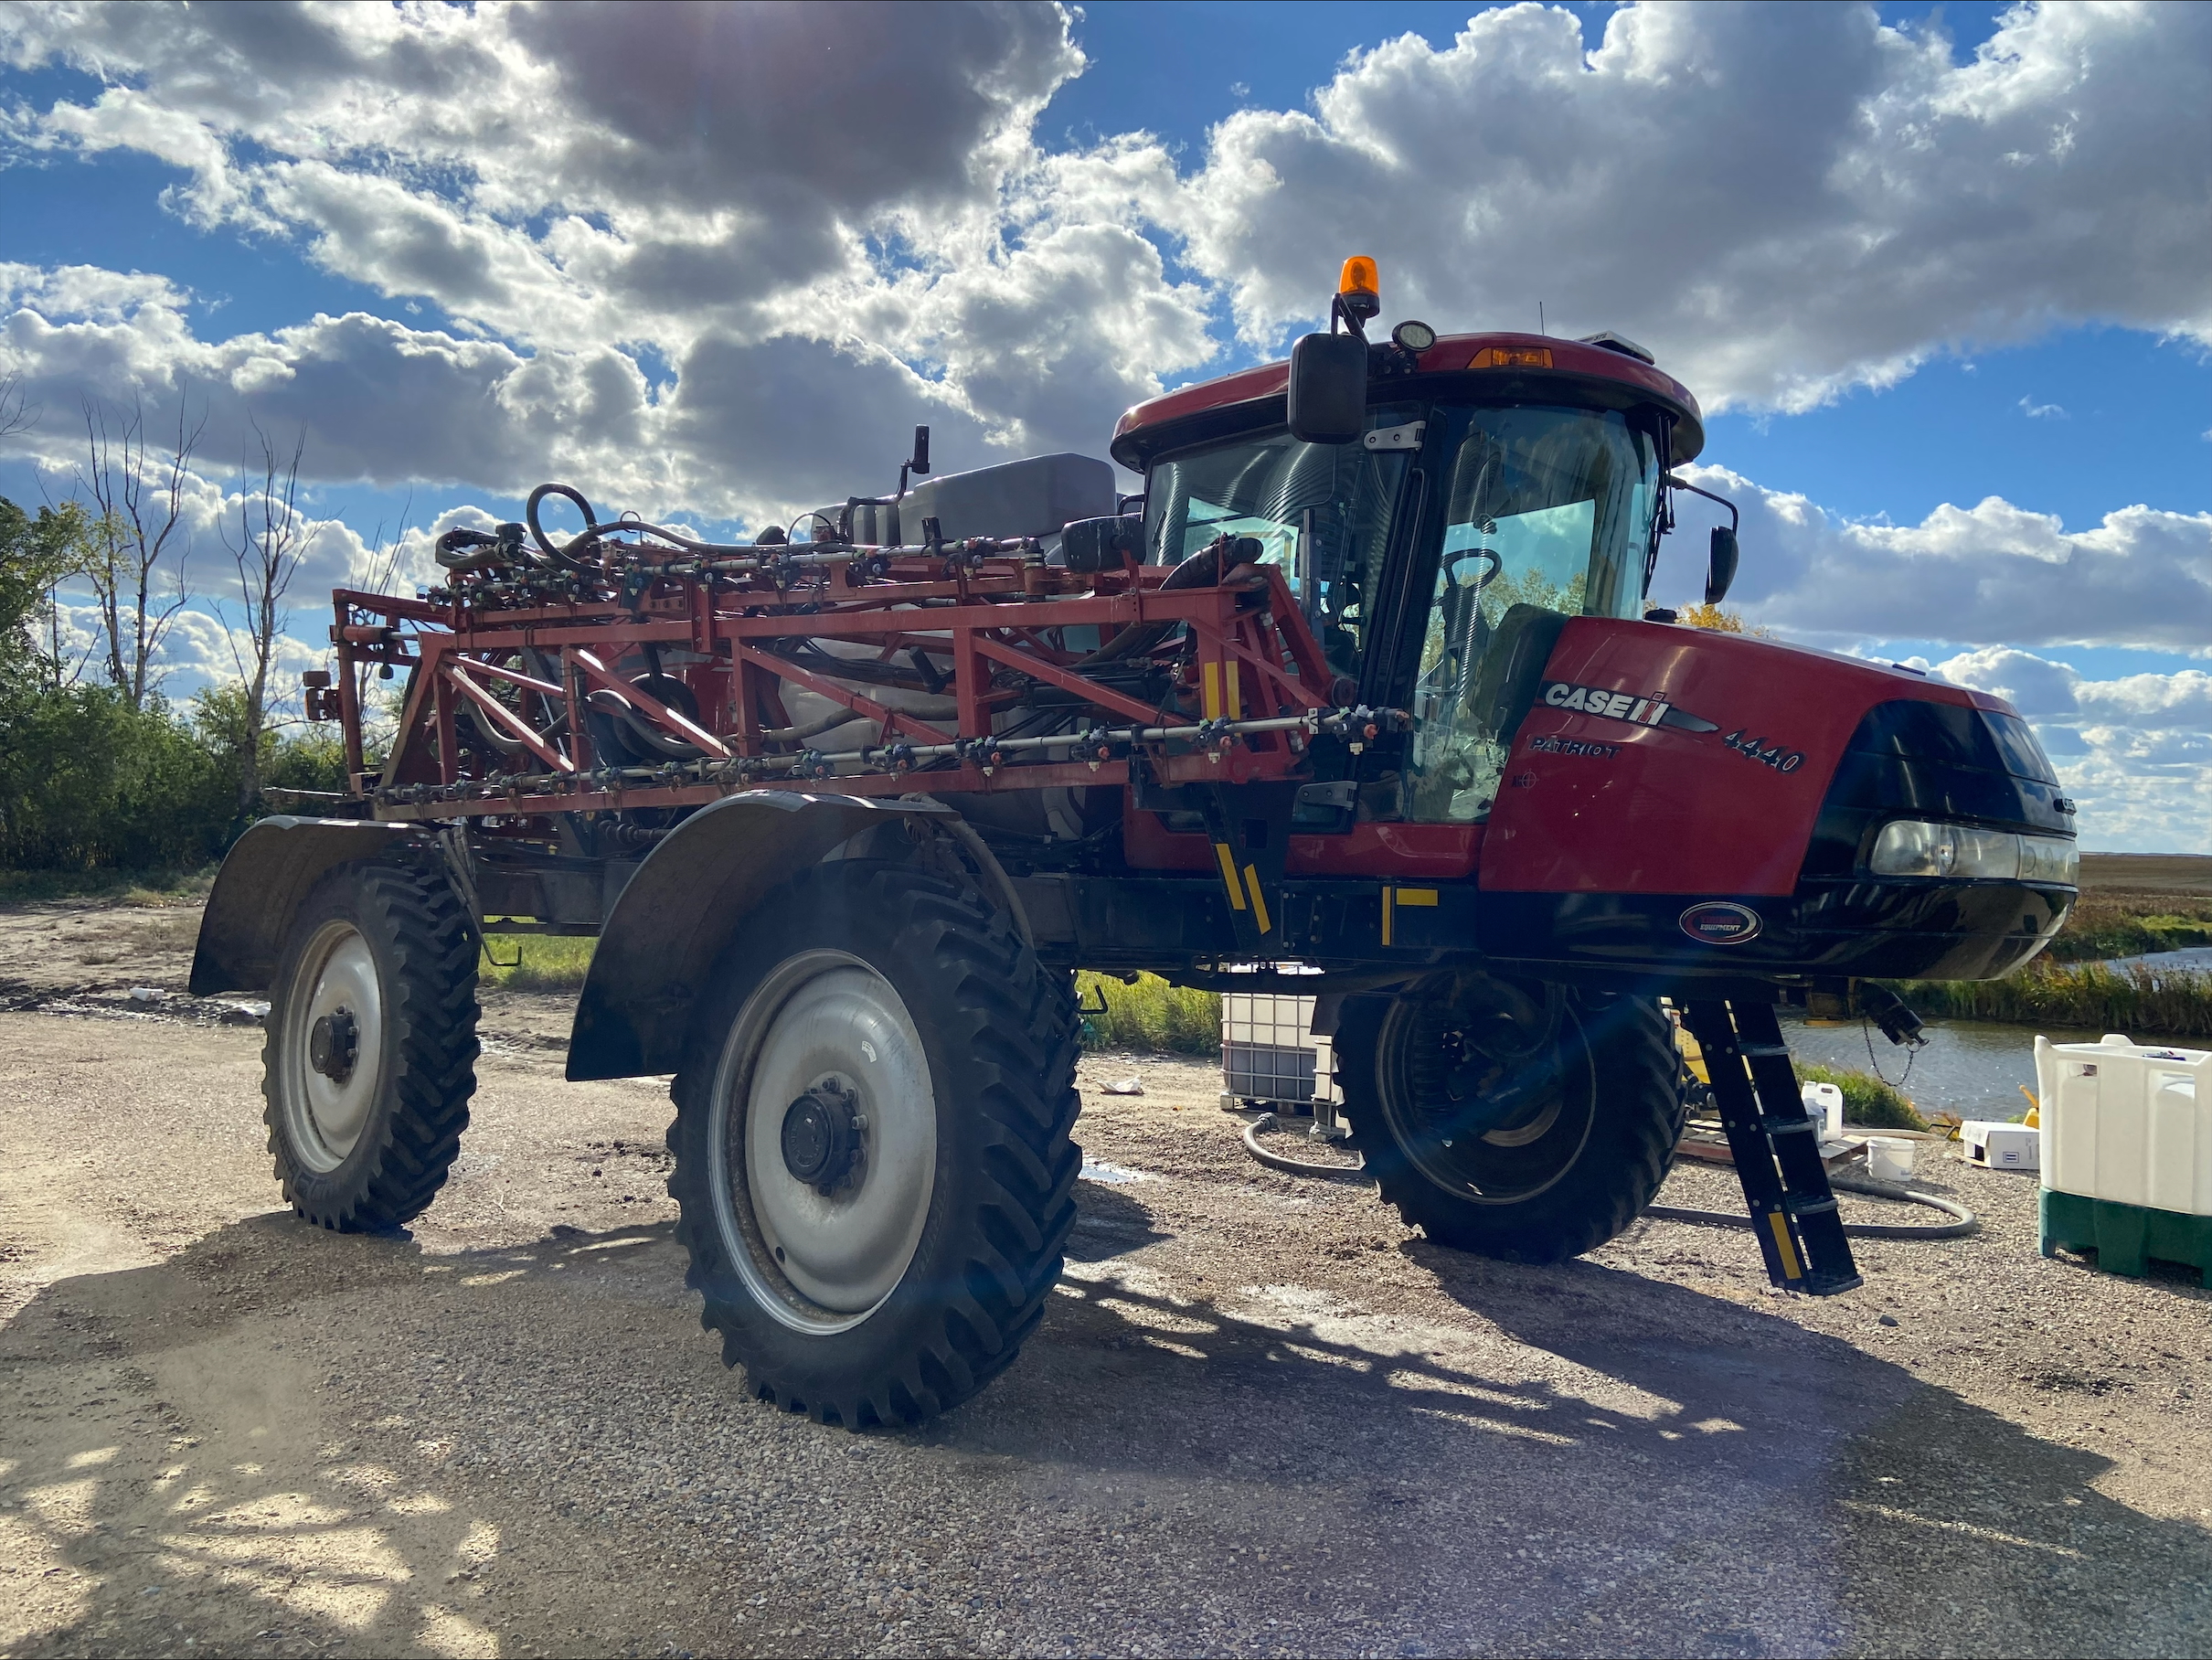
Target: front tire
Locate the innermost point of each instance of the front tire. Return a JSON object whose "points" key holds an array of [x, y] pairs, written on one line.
{"points": [[1525, 1122], [370, 1061], [871, 1142]]}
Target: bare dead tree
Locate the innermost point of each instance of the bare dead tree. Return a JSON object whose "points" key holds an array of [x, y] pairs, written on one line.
{"points": [[18, 414], [271, 537], [137, 576]]}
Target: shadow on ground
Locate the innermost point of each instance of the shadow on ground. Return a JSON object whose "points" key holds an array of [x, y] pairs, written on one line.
{"points": [[1545, 1460]]}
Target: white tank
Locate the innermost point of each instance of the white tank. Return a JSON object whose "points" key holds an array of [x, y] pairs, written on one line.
{"points": [[2128, 1123]]}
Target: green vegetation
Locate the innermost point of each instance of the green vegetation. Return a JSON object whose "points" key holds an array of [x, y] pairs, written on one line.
{"points": [[1867, 1099], [539, 963], [110, 777], [1149, 1015], [2105, 925], [2088, 996]]}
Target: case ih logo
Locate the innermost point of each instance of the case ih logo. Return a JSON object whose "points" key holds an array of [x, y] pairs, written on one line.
{"points": [[1622, 705], [1720, 923]]}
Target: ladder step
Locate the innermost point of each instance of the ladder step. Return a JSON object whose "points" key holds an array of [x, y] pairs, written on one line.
{"points": [[1764, 1051], [1800, 1125], [1797, 1206]]}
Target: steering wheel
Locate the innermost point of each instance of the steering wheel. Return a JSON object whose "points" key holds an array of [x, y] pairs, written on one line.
{"points": [[1464, 556]]}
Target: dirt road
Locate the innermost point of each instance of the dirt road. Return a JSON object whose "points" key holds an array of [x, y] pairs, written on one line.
{"points": [[1259, 1417]]}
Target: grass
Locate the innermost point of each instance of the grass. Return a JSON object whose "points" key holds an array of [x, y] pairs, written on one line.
{"points": [[2091, 996], [1149, 1015], [542, 962], [1868, 1099], [150, 888], [2106, 924]]}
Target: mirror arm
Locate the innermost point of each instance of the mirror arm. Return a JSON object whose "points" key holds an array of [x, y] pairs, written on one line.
{"points": [[1735, 518]]}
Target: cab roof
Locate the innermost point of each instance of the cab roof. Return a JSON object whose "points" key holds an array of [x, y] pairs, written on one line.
{"points": [[1481, 367]]}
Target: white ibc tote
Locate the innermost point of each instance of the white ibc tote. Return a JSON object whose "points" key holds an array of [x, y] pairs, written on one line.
{"points": [[1269, 1052], [2126, 1123]]}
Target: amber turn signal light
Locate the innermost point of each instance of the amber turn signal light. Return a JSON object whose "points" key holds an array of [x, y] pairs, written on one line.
{"points": [[1510, 358]]}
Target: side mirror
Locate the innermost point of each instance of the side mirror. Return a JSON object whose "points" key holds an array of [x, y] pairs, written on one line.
{"points": [[920, 464], [1721, 570], [1328, 389]]}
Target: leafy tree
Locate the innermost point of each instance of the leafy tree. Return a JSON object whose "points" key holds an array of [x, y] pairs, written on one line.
{"points": [[36, 554], [88, 780]]}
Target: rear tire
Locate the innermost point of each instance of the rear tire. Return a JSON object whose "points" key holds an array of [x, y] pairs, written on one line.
{"points": [[1599, 1110], [370, 1061], [871, 1142]]}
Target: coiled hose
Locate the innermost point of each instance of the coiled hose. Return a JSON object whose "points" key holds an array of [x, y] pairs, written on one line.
{"points": [[1963, 1222]]}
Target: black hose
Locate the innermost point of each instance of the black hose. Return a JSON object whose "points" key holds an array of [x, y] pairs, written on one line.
{"points": [[1294, 1167], [1966, 1222], [565, 556], [1207, 567]]}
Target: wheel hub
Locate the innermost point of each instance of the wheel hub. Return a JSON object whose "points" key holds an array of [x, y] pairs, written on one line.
{"points": [[820, 1136], [334, 1044]]}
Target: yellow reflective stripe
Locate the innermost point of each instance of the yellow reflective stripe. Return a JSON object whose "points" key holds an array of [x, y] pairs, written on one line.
{"points": [[1212, 695], [1781, 1224], [1417, 896], [1233, 705], [1228, 876], [1251, 877], [1386, 931]]}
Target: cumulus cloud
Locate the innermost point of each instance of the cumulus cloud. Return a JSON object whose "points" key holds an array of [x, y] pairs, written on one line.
{"points": [[1782, 201], [1993, 571], [2135, 751], [718, 260]]}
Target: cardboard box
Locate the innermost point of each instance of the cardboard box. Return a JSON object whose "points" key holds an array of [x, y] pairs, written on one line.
{"points": [[2002, 1146]]}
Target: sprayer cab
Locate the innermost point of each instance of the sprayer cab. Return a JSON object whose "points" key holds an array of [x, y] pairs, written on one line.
{"points": [[1469, 523]]}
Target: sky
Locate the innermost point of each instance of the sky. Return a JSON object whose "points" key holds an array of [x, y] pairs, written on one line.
{"points": [[1940, 277]]}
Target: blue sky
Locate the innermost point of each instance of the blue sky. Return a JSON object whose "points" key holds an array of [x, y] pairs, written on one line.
{"points": [[1943, 276]]}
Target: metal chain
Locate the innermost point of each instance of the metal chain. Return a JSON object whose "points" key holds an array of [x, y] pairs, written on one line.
{"points": [[1912, 1053]]}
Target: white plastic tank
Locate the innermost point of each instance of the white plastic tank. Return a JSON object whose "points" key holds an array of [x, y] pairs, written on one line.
{"points": [[2128, 1123], [1270, 1051]]}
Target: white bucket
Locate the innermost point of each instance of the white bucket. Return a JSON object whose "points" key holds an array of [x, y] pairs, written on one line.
{"points": [[1888, 1158]]}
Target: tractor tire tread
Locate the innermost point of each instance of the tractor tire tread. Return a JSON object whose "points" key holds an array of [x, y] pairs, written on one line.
{"points": [[432, 1012], [1016, 1025]]}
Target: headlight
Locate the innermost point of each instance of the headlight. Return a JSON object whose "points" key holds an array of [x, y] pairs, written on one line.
{"points": [[2048, 858], [1914, 847]]}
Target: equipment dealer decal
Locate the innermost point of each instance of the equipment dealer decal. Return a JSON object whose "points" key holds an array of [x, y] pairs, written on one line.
{"points": [[1624, 705], [1720, 923]]}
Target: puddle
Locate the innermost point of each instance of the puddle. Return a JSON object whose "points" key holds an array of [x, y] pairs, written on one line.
{"points": [[1117, 1175]]}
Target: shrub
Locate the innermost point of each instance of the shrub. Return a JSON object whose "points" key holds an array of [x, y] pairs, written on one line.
{"points": [[89, 782]]}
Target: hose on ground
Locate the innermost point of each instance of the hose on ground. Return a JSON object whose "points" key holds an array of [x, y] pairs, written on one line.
{"points": [[1963, 1222], [1294, 1167]]}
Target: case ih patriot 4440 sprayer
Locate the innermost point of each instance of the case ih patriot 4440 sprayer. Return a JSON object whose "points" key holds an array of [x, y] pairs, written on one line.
{"points": [[1363, 684]]}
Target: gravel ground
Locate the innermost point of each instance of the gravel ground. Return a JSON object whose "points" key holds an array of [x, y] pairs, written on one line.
{"points": [[1260, 1417]]}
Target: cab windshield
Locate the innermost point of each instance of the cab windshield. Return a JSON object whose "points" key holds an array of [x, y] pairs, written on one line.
{"points": [[1433, 528]]}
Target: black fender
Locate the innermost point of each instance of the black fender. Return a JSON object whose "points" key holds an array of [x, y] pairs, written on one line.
{"points": [[691, 896], [266, 873]]}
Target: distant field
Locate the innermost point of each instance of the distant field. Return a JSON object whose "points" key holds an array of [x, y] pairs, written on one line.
{"points": [[2148, 872]]}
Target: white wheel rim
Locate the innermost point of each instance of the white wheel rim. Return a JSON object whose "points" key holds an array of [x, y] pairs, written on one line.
{"points": [[337, 975], [822, 1262]]}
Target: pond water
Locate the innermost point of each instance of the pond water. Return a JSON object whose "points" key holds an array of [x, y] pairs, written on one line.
{"points": [[2191, 958], [1972, 1068]]}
